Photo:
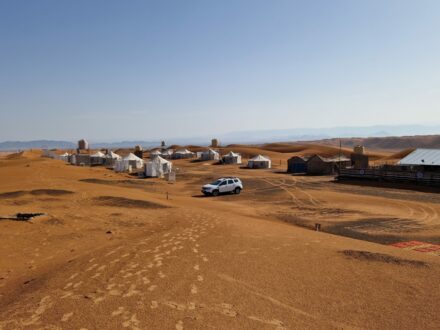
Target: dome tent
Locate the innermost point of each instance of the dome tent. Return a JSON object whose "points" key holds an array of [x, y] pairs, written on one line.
{"points": [[259, 162], [130, 161], [157, 167]]}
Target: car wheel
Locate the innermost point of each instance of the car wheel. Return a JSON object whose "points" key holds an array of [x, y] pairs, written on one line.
{"points": [[215, 193], [237, 191]]}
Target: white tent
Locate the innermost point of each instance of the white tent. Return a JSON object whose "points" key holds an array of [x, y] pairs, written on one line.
{"points": [[167, 153], [112, 155], [155, 153], [232, 158], [98, 154], [97, 158], [64, 157], [259, 162], [183, 153], [111, 158], [210, 155], [158, 167], [130, 161]]}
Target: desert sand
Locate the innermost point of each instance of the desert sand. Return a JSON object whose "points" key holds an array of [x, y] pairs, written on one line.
{"points": [[113, 252]]}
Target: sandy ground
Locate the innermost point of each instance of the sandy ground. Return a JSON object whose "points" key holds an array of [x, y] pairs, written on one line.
{"points": [[112, 252]]}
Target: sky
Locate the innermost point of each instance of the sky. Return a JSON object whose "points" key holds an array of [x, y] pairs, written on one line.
{"points": [[111, 70]]}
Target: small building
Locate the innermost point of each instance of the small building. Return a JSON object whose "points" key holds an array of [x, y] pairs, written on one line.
{"points": [[259, 161], [83, 145], [128, 163], [158, 167], [139, 151], [82, 160], [209, 155], [97, 158], [428, 159], [231, 158], [183, 154], [214, 143], [318, 165], [359, 160], [297, 164]]}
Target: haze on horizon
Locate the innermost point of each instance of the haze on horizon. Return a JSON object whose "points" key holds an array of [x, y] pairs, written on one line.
{"points": [[113, 70]]}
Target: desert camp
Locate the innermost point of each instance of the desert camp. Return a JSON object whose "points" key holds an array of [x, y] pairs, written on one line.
{"points": [[230, 165]]}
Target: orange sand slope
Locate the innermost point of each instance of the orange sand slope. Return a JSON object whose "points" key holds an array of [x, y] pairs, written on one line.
{"points": [[112, 252]]}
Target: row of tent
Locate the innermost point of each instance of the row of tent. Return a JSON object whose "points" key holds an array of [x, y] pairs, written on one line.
{"points": [[156, 167]]}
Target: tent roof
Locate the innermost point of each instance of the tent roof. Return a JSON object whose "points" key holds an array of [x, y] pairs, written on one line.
{"points": [[232, 154], [113, 155], [160, 160], [183, 151], [260, 158], [155, 152], [429, 157], [65, 154], [131, 157], [98, 154], [211, 151]]}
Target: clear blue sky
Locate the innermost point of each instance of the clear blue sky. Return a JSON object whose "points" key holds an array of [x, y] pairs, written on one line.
{"points": [[111, 70]]}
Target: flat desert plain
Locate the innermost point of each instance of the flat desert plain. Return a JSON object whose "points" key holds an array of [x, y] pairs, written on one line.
{"points": [[114, 252]]}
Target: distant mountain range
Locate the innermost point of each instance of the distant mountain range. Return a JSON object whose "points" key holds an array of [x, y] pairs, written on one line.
{"points": [[254, 137]]}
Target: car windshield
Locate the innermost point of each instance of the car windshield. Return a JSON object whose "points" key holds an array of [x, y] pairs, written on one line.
{"points": [[217, 182]]}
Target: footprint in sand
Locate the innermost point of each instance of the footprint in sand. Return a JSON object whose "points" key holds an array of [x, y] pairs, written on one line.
{"points": [[179, 325], [200, 278], [119, 311], [152, 288], [194, 289], [66, 317], [196, 267], [226, 309], [154, 304]]}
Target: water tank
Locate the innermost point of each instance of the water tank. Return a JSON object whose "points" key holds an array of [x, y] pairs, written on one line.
{"points": [[214, 143], [83, 145], [359, 150]]}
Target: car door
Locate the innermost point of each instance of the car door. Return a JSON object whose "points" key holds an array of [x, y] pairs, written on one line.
{"points": [[223, 187], [230, 185]]}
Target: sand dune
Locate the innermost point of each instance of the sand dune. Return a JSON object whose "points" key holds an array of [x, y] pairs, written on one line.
{"points": [[113, 252]]}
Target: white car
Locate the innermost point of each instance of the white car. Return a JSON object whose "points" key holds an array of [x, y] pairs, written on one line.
{"points": [[222, 186]]}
